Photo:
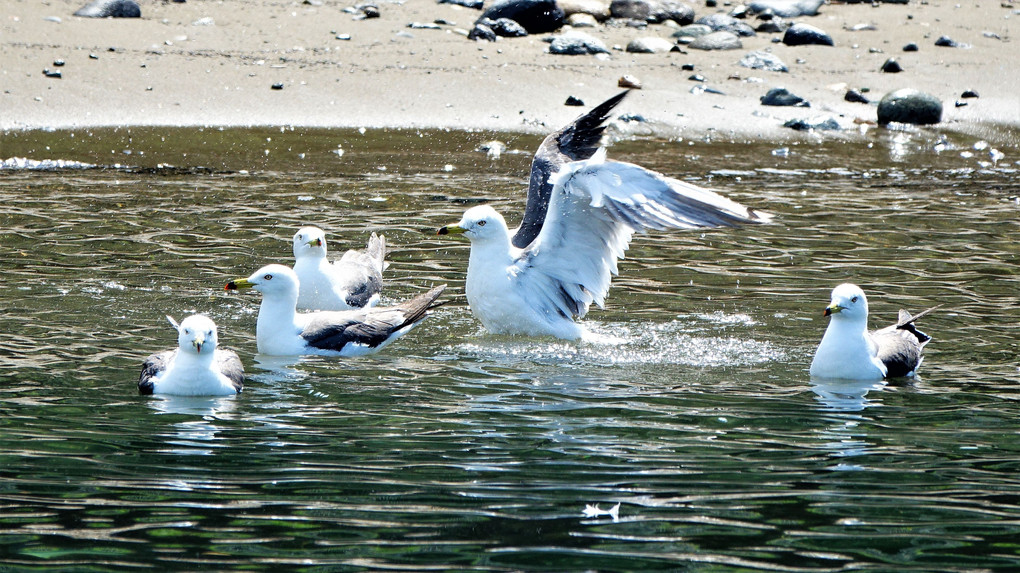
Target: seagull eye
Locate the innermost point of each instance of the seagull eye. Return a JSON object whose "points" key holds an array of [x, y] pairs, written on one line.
{"points": [[854, 299], [481, 223], [268, 277], [187, 331]]}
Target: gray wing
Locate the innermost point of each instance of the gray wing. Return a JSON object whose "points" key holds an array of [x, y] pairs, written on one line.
{"points": [[369, 327], [360, 272], [579, 140], [151, 368], [230, 366], [900, 345]]}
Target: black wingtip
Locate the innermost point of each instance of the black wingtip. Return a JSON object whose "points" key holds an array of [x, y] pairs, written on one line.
{"points": [[580, 139]]}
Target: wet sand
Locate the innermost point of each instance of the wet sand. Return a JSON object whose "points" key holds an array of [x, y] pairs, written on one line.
{"points": [[214, 63]]}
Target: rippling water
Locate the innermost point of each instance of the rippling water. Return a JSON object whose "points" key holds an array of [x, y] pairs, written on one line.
{"points": [[458, 450]]}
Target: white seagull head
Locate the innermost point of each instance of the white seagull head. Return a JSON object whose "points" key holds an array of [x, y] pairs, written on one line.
{"points": [[196, 334], [271, 280], [309, 242], [848, 303], [480, 223]]}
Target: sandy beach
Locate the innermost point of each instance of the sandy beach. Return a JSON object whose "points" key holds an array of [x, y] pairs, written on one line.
{"points": [[216, 62]]}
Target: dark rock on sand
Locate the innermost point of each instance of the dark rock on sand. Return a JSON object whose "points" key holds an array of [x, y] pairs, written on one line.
{"points": [[573, 101], [891, 66], [110, 9], [823, 123], [969, 94], [762, 60], [504, 27], [783, 98], [786, 8], [855, 96], [803, 34], [537, 16], [724, 23], [482, 33], [946, 42], [911, 47], [909, 106]]}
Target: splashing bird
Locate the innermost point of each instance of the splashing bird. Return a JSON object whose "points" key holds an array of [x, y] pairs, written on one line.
{"points": [[353, 281]]}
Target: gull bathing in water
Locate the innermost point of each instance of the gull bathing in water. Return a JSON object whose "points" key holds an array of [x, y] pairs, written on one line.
{"points": [[849, 351], [581, 213], [196, 367], [282, 331], [354, 281]]}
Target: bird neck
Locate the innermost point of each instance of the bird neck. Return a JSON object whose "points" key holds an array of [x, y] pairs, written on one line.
{"points": [[275, 311], [189, 359], [491, 251]]}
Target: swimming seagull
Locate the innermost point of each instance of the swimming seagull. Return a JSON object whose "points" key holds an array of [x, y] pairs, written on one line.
{"points": [[282, 331], [196, 367], [578, 230], [354, 281], [850, 352]]}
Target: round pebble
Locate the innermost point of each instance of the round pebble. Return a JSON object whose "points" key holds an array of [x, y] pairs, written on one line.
{"points": [[909, 106]]}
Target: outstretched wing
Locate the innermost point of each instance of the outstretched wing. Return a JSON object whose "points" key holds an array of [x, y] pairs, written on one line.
{"points": [[575, 142], [594, 210]]}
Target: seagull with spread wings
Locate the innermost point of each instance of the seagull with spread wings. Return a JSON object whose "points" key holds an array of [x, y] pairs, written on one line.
{"points": [[581, 213]]}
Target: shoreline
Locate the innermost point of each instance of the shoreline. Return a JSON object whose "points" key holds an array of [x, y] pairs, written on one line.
{"points": [[215, 64]]}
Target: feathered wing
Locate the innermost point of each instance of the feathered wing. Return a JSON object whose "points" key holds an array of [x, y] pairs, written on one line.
{"points": [[575, 142], [359, 273], [228, 363], [152, 367], [367, 327], [594, 210], [900, 345]]}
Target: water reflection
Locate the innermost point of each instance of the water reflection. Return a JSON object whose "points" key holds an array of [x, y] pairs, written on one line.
{"points": [[843, 401]]}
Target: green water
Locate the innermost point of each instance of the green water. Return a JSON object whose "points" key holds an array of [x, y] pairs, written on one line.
{"points": [[456, 450]]}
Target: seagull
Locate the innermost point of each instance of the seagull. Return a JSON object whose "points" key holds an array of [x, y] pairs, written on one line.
{"points": [[849, 351], [282, 331], [581, 213], [354, 281], [196, 367]]}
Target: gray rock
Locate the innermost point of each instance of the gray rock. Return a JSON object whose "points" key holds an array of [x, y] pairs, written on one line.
{"points": [[582, 20], [692, 31], [482, 32], [762, 60], [653, 11], [717, 41], [598, 9], [576, 43], [649, 45], [536, 16], [724, 23], [855, 96], [946, 42], [909, 106], [803, 34], [823, 123], [110, 9], [781, 97], [786, 8], [504, 27]]}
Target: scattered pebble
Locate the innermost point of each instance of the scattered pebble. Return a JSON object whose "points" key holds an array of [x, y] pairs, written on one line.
{"points": [[891, 66], [911, 47], [969, 94], [786, 8], [946, 42], [762, 60], [649, 45], [724, 23], [803, 34], [782, 97], [855, 96], [822, 123], [535, 16], [576, 43], [630, 82], [277, 86], [58, 63], [573, 101], [52, 73]]}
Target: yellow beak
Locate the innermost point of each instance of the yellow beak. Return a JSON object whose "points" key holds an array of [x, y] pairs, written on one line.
{"points": [[238, 284], [452, 230], [832, 309]]}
